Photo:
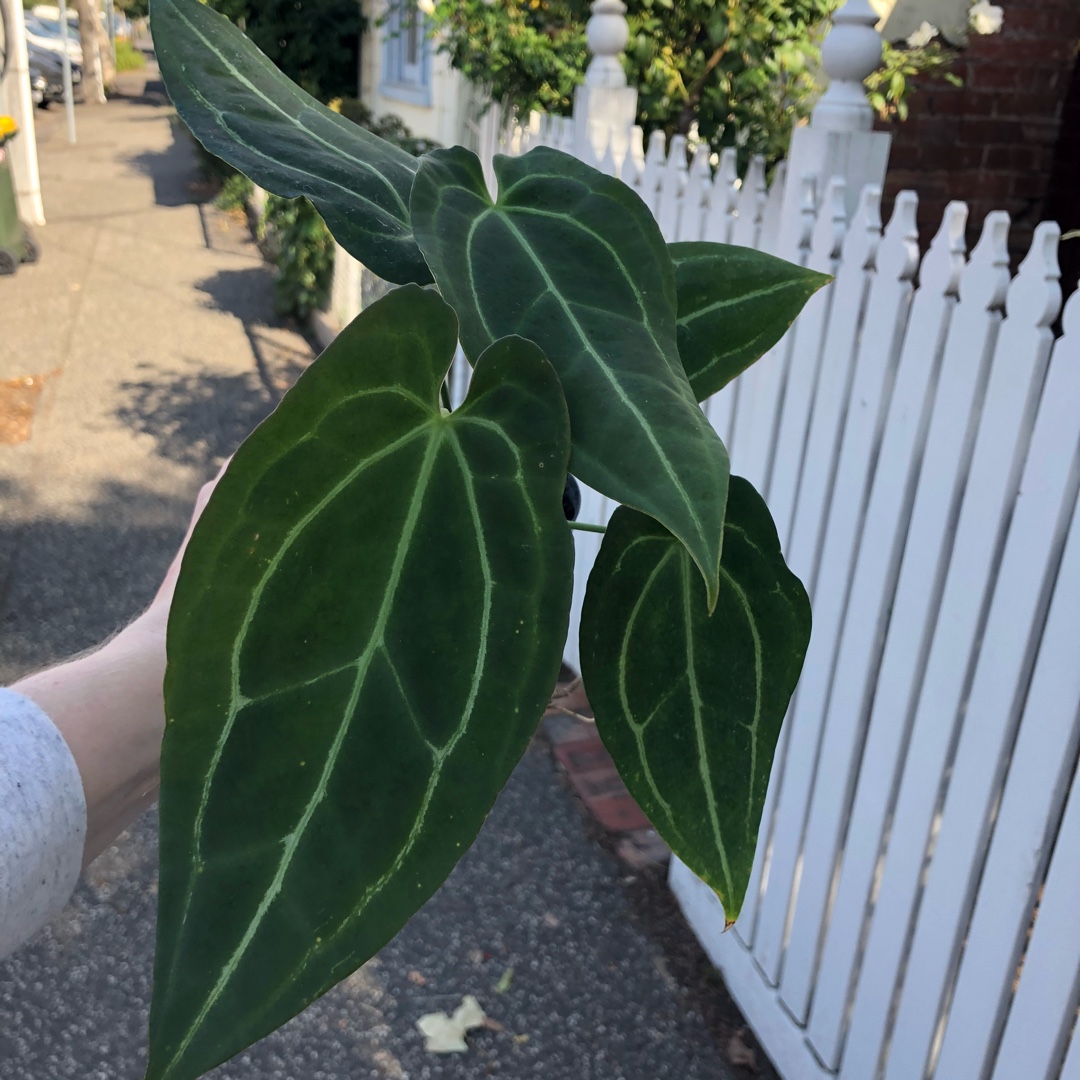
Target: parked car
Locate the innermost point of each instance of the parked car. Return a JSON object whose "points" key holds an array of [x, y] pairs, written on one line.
{"points": [[45, 33], [47, 75]]}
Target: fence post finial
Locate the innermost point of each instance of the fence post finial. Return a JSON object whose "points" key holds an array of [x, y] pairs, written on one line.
{"points": [[852, 51], [607, 33]]}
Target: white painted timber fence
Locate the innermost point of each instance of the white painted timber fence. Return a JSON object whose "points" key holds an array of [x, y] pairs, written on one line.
{"points": [[914, 911], [919, 447]]}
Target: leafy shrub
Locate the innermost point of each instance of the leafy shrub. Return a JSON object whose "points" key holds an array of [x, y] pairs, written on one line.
{"points": [[128, 58], [304, 255], [234, 193]]}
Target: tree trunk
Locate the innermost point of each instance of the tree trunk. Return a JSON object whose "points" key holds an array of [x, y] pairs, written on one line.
{"points": [[93, 83], [108, 68]]}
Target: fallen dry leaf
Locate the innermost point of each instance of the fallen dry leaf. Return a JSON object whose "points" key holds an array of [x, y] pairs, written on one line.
{"points": [[550, 920], [446, 1034], [739, 1053], [505, 980], [416, 978]]}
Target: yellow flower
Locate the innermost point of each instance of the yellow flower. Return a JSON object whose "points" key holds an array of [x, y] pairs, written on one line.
{"points": [[8, 127]]}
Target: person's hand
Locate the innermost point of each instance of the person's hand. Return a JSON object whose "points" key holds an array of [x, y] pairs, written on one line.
{"points": [[109, 707], [158, 611]]}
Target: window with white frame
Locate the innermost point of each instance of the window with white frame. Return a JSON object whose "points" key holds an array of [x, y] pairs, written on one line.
{"points": [[406, 67]]}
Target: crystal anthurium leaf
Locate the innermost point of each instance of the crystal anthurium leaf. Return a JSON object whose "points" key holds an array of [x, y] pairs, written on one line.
{"points": [[573, 260], [734, 305], [690, 704], [369, 621], [244, 110]]}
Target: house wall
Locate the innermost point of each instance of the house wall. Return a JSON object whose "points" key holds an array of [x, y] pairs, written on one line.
{"points": [[443, 117], [996, 141]]}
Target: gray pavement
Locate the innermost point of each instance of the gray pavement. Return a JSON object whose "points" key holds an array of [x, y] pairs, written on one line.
{"points": [[151, 317]]}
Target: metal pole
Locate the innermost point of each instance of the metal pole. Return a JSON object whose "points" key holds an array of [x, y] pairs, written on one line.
{"points": [[69, 96]]}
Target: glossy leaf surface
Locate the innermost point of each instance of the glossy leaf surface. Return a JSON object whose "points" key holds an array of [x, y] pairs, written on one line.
{"points": [[244, 110], [734, 305], [573, 260], [367, 627], [690, 705]]}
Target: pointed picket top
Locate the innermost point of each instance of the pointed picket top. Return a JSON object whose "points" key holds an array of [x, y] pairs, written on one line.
{"points": [[633, 165], [695, 207], [672, 189], [898, 255], [1070, 320], [750, 205], [653, 173], [607, 165], [943, 263], [829, 229], [566, 135], [1035, 293], [773, 214], [726, 184], [676, 171], [864, 234], [985, 279]]}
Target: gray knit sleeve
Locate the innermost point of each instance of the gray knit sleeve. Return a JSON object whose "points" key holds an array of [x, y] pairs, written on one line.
{"points": [[42, 820]]}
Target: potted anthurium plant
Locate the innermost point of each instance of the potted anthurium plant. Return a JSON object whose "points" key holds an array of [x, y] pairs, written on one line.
{"points": [[373, 607]]}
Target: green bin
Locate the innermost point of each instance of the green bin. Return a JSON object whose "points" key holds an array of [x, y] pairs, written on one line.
{"points": [[16, 243]]}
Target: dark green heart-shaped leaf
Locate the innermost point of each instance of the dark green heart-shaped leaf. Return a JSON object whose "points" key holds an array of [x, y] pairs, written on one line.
{"points": [[244, 110], [690, 704], [734, 305], [573, 260], [368, 624]]}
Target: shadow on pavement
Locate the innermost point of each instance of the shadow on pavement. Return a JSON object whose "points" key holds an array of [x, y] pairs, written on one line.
{"points": [[170, 170], [195, 419], [73, 582]]}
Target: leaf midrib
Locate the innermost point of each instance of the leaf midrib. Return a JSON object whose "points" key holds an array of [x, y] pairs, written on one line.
{"points": [[240, 77], [292, 840], [605, 368]]}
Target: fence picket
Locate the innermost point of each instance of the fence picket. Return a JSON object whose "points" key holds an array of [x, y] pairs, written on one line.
{"points": [[725, 193], [949, 446], [653, 173], [888, 299], [863, 625], [1039, 774], [1033, 546], [791, 470], [772, 215], [696, 201], [672, 189], [759, 386], [829, 580], [1016, 377]]}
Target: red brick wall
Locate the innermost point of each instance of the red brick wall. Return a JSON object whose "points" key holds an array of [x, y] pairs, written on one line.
{"points": [[999, 141]]}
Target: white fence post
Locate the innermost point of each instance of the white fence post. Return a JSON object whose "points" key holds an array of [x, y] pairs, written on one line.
{"points": [[605, 107], [839, 140]]}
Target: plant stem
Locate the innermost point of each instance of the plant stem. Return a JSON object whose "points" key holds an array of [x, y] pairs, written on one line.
{"points": [[584, 526]]}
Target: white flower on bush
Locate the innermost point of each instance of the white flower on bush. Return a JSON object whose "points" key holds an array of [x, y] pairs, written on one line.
{"points": [[985, 18], [922, 37]]}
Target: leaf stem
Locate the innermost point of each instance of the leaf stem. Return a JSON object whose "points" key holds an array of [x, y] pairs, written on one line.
{"points": [[584, 526]]}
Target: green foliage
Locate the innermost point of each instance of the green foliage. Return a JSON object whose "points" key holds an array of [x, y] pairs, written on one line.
{"points": [[303, 254], [387, 757], [515, 267], [133, 9], [694, 722], [315, 42], [743, 70], [389, 126], [890, 86], [733, 310], [373, 607], [234, 193], [128, 58]]}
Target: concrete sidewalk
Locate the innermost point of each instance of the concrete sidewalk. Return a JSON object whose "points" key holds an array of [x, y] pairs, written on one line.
{"points": [[151, 324]]}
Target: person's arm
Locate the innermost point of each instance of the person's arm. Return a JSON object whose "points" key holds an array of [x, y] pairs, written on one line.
{"points": [[108, 706]]}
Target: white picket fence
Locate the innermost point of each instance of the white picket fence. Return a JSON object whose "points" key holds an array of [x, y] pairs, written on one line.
{"points": [[919, 446]]}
